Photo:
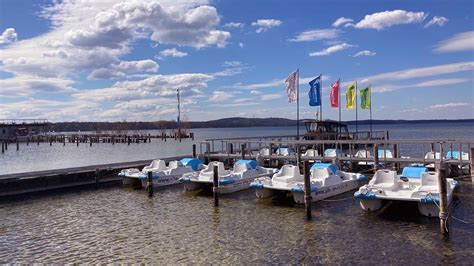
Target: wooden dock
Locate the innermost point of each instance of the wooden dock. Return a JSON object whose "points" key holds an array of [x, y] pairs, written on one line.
{"points": [[14, 184]]}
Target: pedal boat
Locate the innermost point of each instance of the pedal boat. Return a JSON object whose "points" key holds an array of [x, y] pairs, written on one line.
{"points": [[326, 181], [236, 179], [414, 184], [162, 175]]}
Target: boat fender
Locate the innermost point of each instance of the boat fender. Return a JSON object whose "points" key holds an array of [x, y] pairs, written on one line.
{"points": [[226, 181], [364, 195], [256, 185], [184, 179], [430, 199], [361, 178]]}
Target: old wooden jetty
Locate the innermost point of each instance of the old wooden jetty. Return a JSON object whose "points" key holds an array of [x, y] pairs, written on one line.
{"points": [[398, 153], [20, 183]]}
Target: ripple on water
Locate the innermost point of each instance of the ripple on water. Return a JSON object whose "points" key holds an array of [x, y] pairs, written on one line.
{"points": [[117, 225]]}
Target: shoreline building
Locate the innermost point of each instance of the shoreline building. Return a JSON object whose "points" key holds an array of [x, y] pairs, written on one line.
{"points": [[12, 129]]}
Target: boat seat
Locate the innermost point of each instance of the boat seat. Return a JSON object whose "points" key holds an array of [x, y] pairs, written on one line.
{"points": [[432, 155], [175, 164], [429, 181], [156, 165], [386, 179], [288, 173], [241, 167], [283, 151], [265, 151], [311, 153], [209, 170], [363, 154], [331, 152]]}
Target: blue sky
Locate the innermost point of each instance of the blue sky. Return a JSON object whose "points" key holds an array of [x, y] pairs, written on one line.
{"points": [[113, 60]]}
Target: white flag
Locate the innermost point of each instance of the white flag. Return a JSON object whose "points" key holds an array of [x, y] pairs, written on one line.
{"points": [[292, 85]]}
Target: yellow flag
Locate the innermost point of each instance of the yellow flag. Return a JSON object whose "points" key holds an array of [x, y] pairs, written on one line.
{"points": [[351, 96]]}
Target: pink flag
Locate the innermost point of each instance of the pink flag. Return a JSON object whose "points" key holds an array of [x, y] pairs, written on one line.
{"points": [[334, 94], [292, 86]]}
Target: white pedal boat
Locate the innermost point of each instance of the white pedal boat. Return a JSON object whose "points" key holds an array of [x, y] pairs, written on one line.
{"points": [[461, 157], [239, 178], [326, 181], [415, 184], [162, 175]]}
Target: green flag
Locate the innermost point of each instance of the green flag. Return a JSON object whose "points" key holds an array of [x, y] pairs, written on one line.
{"points": [[365, 98]]}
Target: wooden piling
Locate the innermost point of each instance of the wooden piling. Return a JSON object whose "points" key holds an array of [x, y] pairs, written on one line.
{"points": [[215, 186], [376, 157], [471, 156], [17, 145], [129, 140], [149, 184], [3, 147], [242, 149], [307, 191], [27, 141], [395, 155], [77, 142], [90, 142], [443, 206], [208, 151], [194, 150]]}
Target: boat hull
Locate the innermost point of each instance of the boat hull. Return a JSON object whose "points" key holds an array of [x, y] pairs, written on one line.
{"points": [[326, 192]]}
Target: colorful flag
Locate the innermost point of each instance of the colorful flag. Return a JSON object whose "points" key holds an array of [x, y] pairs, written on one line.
{"points": [[351, 96], [315, 92], [291, 86], [334, 94], [365, 98]]}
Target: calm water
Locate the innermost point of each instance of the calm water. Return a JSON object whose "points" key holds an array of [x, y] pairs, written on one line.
{"points": [[43, 157], [115, 224]]}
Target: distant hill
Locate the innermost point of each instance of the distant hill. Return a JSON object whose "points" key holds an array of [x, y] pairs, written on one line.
{"points": [[219, 123]]}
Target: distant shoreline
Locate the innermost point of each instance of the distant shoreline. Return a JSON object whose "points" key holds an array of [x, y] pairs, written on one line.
{"points": [[233, 122]]}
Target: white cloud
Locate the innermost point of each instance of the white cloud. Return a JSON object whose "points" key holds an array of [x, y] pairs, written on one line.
{"points": [[342, 21], [271, 96], [234, 25], [364, 53], [420, 72], [255, 92], [220, 96], [30, 85], [449, 105], [8, 36], [424, 84], [440, 21], [241, 45], [172, 52], [332, 49], [266, 24], [386, 19], [123, 68], [463, 41], [316, 34]]}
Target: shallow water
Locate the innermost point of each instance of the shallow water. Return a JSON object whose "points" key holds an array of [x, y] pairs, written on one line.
{"points": [[123, 225]]}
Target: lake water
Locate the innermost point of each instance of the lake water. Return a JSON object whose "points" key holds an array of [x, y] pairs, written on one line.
{"points": [[44, 156], [122, 225]]}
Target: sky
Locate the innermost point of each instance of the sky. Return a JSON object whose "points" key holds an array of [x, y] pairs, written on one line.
{"points": [[124, 60]]}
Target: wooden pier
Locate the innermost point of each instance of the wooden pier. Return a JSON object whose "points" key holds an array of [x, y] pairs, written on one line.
{"points": [[20, 183]]}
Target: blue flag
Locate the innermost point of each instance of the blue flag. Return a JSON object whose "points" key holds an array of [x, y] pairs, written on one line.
{"points": [[315, 92]]}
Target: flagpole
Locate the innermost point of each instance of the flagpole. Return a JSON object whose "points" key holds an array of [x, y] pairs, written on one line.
{"points": [[321, 99], [370, 97], [339, 103], [298, 104], [356, 108]]}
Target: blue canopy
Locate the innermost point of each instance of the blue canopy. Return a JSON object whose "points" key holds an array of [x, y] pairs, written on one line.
{"points": [[251, 163], [193, 162], [331, 166], [454, 155], [413, 172]]}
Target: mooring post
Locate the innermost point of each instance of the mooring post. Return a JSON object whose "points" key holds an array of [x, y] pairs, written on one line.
{"points": [[38, 140], [77, 142], [17, 145], [215, 186], [376, 157], [64, 140], [443, 206], [307, 191], [129, 140], [3, 147], [97, 178], [27, 141], [395, 155], [90, 142], [433, 148], [50, 141], [194, 150], [208, 151], [231, 147], [149, 184], [471, 156], [242, 149]]}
